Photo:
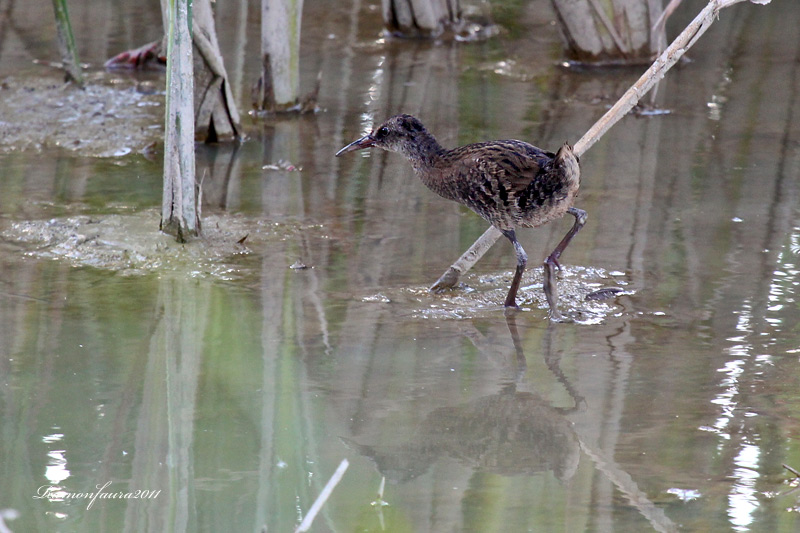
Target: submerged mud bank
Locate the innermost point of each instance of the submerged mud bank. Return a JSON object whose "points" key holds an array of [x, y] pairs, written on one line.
{"points": [[111, 117], [131, 244]]}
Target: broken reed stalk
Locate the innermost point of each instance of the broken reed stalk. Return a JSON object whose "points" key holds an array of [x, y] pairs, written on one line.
{"points": [[383, 485], [305, 525], [66, 43], [653, 75], [179, 215]]}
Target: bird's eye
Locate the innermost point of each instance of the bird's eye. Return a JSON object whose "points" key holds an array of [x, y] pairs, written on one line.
{"points": [[382, 132]]}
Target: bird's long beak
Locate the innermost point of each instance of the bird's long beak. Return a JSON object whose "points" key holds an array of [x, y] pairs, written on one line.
{"points": [[359, 144]]}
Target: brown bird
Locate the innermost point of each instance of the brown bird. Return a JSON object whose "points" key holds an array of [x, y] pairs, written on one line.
{"points": [[509, 183]]}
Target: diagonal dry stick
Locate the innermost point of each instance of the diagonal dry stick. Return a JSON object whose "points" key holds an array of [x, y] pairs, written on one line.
{"points": [[305, 525], [653, 75]]}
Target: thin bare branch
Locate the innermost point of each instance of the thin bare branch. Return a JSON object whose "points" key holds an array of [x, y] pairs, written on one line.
{"points": [[305, 525]]}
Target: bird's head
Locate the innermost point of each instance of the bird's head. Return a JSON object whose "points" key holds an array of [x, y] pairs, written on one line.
{"points": [[401, 133]]}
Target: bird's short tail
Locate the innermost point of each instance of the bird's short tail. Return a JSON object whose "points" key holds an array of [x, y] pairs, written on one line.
{"points": [[569, 163], [565, 151]]}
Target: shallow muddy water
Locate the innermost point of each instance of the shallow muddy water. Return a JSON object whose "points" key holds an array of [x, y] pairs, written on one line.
{"points": [[220, 390]]}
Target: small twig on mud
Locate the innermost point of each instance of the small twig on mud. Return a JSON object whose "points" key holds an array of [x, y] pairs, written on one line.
{"points": [[380, 502], [323, 497], [381, 487], [792, 470]]}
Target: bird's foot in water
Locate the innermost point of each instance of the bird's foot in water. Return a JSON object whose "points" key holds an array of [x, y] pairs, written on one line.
{"points": [[549, 284]]}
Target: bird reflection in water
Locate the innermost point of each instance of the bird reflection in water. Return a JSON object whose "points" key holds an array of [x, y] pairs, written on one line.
{"points": [[509, 433]]}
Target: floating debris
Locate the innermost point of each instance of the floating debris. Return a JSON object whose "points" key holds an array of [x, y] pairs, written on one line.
{"points": [[603, 294], [282, 164], [377, 298], [685, 495], [648, 110]]}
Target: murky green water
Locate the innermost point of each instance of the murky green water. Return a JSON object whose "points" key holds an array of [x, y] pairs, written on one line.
{"points": [[226, 401]]}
